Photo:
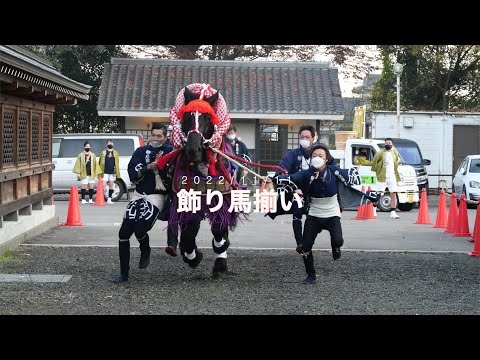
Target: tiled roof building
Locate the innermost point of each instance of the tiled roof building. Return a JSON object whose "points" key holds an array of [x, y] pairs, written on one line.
{"points": [[251, 88]]}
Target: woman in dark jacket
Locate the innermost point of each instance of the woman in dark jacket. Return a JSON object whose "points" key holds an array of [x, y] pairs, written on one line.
{"points": [[321, 180]]}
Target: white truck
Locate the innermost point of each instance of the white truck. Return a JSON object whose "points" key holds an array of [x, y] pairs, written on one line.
{"points": [[407, 194]]}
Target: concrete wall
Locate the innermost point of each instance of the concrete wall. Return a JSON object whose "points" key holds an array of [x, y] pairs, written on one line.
{"points": [[245, 127], [136, 122], [246, 131], [14, 233], [293, 125]]}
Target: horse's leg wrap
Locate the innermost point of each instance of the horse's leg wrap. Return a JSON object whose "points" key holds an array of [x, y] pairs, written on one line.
{"points": [[220, 242], [193, 262], [188, 246]]}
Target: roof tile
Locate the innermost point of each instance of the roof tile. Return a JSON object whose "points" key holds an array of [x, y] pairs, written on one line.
{"points": [[248, 87]]}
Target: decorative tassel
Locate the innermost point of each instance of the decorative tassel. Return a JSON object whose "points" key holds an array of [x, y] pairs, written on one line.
{"points": [[211, 163], [212, 170], [201, 106], [162, 161], [221, 217]]}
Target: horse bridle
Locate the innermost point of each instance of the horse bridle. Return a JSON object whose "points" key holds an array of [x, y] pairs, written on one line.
{"points": [[196, 114]]}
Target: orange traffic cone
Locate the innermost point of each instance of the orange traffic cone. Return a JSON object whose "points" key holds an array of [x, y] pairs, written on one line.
{"points": [[462, 222], [476, 235], [360, 212], [368, 214], [442, 220], [476, 226], [423, 215], [476, 249], [73, 216], [452, 215], [100, 198], [360, 209]]}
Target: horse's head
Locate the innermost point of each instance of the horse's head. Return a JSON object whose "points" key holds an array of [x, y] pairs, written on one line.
{"points": [[198, 120]]}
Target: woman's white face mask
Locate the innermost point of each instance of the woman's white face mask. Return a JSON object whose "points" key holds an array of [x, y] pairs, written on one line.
{"points": [[304, 143], [317, 162]]}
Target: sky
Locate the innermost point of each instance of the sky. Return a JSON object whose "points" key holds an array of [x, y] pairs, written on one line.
{"points": [[345, 73], [347, 83]]}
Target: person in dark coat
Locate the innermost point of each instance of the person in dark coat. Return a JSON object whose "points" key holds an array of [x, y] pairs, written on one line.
{"points": [[239, 149], [148, 200], [294, 161], [321, 184]]}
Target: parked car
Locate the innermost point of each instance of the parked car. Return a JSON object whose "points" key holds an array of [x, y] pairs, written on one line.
{"points": [[66, 147], [467, 178]]}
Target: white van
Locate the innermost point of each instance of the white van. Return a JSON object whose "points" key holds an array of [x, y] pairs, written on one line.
{"points": [[407, 194], [66, 147]]}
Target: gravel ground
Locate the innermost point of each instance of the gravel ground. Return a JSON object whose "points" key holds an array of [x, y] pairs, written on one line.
{"points": [[260, 282]]}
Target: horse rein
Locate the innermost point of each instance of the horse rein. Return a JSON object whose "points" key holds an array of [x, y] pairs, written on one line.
{"points": [[234, 159]]}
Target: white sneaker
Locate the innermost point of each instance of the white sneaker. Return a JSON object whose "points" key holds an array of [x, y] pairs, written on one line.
{"points": [[109, 201], [374, 211], [394, 215], [90, 201], [84, 201]]}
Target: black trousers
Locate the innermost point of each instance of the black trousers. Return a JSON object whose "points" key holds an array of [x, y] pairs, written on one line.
{"points": [[314, 226], [297, 222], [140, 216]]}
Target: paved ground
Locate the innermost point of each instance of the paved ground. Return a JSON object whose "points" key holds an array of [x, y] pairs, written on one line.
{"points": [[387, 267], [102, 225], [261, 282]]}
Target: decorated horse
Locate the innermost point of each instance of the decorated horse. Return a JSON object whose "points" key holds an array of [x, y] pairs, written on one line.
{"points": [[199, 118], [203, 161]]}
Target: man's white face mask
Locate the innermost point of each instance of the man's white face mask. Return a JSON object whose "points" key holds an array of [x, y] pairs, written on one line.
{"points": [[317, 162], [305, 143], [231, 137], [156, 144]]}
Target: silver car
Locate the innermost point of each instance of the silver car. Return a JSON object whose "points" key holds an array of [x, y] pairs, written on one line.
{"points": [[467, 178]]}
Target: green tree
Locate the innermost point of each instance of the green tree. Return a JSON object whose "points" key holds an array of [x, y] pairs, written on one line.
{"points": [[82, 63], [383, 97], [435, 77]]}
